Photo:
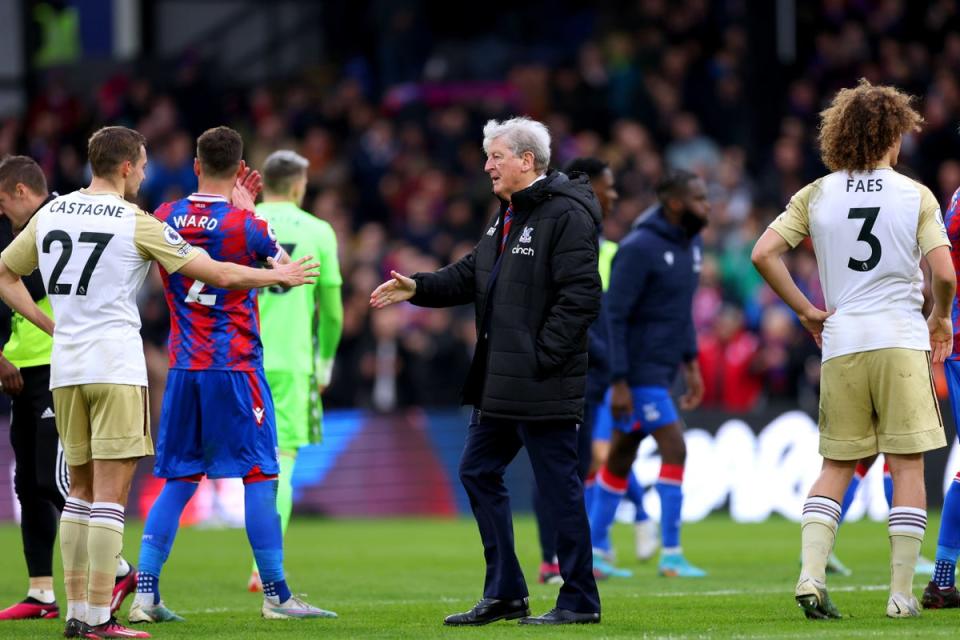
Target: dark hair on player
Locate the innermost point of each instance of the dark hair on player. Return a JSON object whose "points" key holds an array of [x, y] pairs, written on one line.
{"points": [[674, 183], [592, 167], [110, 147], [220, 150], [861, 124], [16, 170]]}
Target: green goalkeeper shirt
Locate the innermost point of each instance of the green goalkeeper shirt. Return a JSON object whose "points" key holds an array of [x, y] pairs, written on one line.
{"points": [[300, 327]]}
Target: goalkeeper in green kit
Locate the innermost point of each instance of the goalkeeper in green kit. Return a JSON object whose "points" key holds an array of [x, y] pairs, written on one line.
{"points": [[300, 327]]}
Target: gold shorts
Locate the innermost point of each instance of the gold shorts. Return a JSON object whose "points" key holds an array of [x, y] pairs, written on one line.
{"points": [[880, 401], [102, 422]]}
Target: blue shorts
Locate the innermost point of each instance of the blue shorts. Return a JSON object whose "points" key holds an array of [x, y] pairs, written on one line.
{"points": [[652, 408], [218, 423], [951, 368]]}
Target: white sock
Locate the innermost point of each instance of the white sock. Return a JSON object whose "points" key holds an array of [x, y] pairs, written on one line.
{"points": [[97, 615], [77, 610], [123, 567], [671, 551], [143, 599], [45, 596]]}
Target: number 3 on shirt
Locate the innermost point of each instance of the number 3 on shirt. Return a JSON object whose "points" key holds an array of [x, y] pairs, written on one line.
{"points": [[194, 295], [869, 217]]}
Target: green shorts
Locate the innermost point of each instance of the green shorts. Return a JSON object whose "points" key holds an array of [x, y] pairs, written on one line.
{"points": [[299, 413]]}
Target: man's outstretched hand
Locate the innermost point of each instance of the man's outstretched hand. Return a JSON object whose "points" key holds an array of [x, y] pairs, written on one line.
{"points": [[398, 289], [295, 273]]}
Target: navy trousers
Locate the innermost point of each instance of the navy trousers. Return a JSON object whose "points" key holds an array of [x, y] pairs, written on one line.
{"points": [[552, 446], [545, 526]]}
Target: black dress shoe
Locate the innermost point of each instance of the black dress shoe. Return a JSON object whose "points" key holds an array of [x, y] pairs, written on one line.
{"points": [[490, 610], [563, 616]]}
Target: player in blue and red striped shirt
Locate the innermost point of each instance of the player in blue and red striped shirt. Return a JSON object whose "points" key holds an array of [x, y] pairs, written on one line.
{"points": [[217, 417], [942, 593], [216, 328]]}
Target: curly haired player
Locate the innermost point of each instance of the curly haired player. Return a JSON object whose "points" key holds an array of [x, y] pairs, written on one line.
{"points": [[870, 226]]}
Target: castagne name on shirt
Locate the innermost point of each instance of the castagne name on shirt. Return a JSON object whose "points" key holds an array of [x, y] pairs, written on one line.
{"points": [[63, 205]]}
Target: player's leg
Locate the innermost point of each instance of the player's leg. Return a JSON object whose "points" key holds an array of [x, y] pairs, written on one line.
{"points": [[179, 459], [834, 565], [925, 566], [253, 428], [645, 533], [847, 434], [859, 473], [291, 398], [73, 424], [908, 424], [288, 460], [39, 515], [266, 541], [887, 483], [120, 436], [906, 526], [611, 486], [159, 533], [599, 451], [673, 455], [941, 592], [645, 530], [818, 533]]}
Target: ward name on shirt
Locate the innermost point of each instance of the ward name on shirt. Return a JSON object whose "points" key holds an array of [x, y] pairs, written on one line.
{"points": [[200, 222]]}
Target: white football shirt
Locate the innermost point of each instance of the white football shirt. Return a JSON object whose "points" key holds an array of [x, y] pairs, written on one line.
{"points": [[869, 231], [94, 252]]}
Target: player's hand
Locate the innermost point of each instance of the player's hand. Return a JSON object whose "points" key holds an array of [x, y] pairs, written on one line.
{"points": [[813, 321], [11, 381], [246, 190], [941, 337], [296, 273], [621, 401], [694, 395], [398, 289]]}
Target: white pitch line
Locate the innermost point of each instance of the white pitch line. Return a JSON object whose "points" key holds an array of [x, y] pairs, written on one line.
{"points": [[786, 590]]}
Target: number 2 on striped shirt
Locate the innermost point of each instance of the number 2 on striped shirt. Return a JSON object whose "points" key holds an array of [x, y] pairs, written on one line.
{"points": [[194, 295]]}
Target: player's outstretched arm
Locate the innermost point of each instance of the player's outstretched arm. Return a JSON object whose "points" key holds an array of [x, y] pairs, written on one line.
{"points": [[766, 258], [943, 286], [227, 275], [15, 294]]}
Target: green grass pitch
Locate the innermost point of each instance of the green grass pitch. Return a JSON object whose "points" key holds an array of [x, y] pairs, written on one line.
{"points": [[398, 578]]}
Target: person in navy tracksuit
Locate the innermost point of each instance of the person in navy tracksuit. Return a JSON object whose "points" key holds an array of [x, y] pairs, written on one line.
{"points": [[650, 336]]}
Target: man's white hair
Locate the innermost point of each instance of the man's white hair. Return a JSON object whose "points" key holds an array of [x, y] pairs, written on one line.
{"points": [[521, 134]]}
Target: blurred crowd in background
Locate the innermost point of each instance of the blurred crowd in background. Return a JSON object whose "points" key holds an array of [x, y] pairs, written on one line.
{"points": [[394, 142]]}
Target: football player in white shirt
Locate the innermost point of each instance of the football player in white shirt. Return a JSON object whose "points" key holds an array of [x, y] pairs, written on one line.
{"points": [[870, 226], [94, 248]]}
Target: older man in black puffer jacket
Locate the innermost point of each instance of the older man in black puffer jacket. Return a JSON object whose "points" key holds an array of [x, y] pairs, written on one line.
{"points": [[533, 279]]}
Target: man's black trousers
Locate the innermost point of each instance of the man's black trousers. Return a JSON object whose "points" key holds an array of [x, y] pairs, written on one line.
{"points": [[41, 479], [552, 446], [545, 526]]}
